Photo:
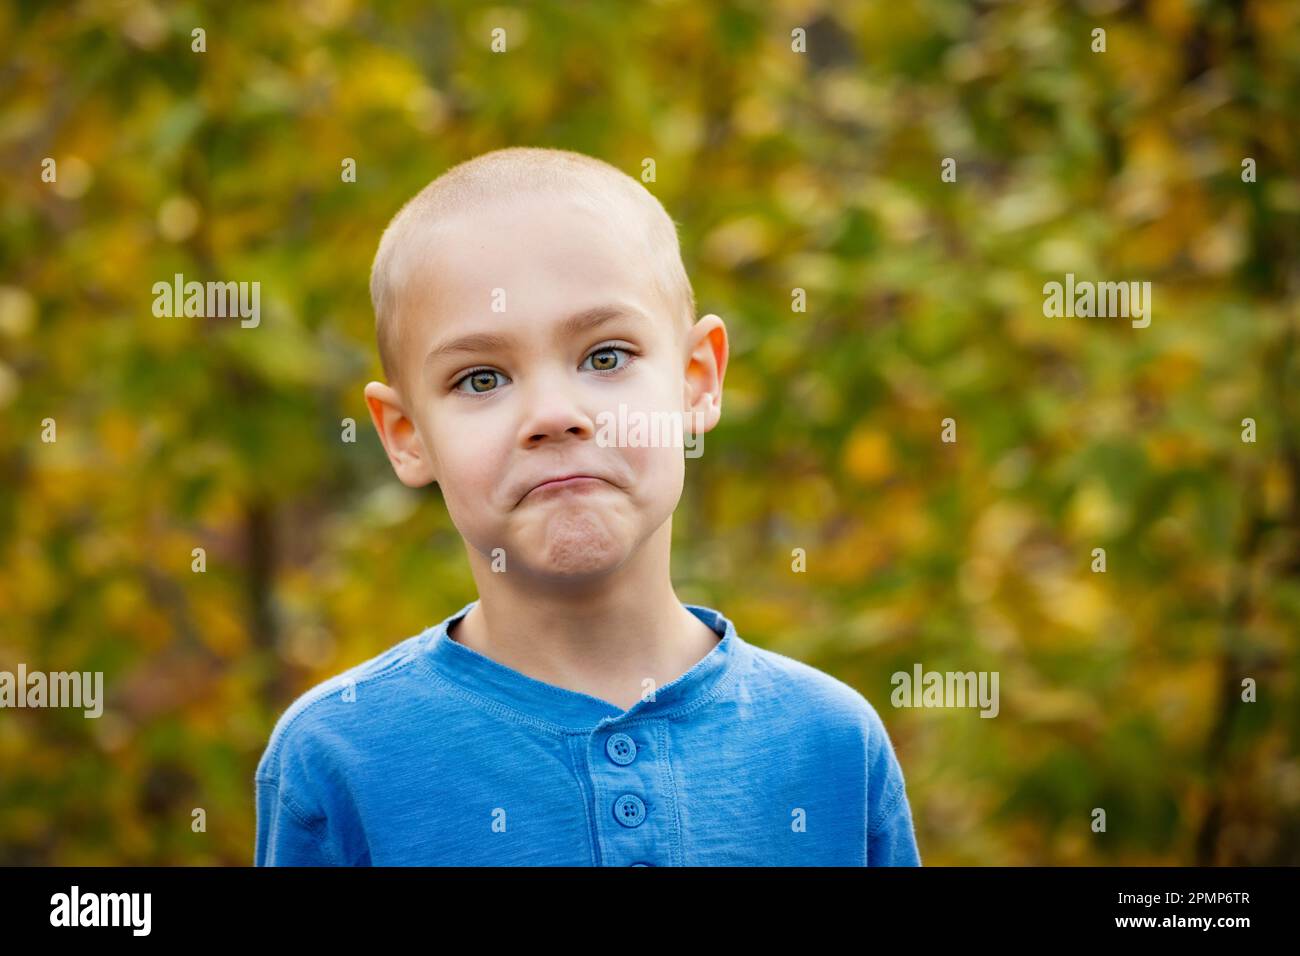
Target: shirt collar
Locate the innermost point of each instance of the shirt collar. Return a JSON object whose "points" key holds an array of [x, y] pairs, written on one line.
{"points": [[571, 710]]}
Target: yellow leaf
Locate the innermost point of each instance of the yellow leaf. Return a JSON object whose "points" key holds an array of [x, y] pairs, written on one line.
{"points": [[869, 455]]}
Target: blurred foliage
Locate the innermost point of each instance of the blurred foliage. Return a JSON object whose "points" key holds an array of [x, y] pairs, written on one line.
{"points": [[819, 171]]}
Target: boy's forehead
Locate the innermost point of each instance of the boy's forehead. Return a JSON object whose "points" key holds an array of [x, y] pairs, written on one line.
{"points": [[529, 258]]}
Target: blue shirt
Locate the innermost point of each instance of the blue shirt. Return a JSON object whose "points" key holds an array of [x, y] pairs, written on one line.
{"points": [[432, 754]]}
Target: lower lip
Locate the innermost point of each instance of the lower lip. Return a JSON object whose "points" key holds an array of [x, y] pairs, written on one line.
{"points": [[573, 483]]}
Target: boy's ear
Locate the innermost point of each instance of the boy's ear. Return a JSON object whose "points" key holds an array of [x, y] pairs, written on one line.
{"points": [[706, 364], [397, 433]]}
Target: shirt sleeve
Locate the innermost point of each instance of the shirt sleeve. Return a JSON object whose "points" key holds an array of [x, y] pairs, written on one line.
{"points": [[284, 837], [891, 838]]}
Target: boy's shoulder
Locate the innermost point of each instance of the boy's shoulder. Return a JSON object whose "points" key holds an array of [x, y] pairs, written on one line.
{"points": [[814, 696], [317, 722], [314, 713]]}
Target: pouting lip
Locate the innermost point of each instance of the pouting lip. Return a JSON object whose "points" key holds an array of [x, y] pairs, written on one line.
{"points": [[566, 477]]}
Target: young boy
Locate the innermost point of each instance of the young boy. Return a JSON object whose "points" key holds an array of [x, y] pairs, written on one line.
{"points": [[576, 713]]}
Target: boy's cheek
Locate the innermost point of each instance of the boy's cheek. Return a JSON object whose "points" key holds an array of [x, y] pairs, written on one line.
{"points": [[471, 488], [655, 471], [467, 515]]}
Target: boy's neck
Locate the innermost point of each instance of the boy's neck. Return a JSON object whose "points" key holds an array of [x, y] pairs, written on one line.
{"points": [[606, 640]]}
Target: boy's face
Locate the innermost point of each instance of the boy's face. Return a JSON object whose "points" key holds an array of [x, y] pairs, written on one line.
{"points": [[491, 420]]}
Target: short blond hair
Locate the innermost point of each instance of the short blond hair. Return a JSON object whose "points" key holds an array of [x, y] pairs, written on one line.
{"points": [[504, 173]]}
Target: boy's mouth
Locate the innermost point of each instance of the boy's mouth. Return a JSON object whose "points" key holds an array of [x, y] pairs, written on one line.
{"points": [[571, 482]]}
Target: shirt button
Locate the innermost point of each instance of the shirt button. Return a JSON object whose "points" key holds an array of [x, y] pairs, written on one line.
{"points": [[621, 749], [629, 810], [638, 864]]}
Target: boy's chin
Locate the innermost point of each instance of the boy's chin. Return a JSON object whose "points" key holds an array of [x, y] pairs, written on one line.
{"points": [[579, 548]]}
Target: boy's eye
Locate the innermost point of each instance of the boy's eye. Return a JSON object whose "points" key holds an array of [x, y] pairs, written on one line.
{"points": [[479, 377], [604, 360]]}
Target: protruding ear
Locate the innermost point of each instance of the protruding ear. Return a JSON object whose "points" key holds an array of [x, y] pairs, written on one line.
{"points": [[706, 364], [406, 452]]}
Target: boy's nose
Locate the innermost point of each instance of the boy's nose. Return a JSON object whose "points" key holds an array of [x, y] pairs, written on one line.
{"points": [[553, 410]]}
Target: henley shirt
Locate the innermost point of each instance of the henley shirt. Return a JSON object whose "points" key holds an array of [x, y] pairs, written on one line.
{"points": [[432, 754]]}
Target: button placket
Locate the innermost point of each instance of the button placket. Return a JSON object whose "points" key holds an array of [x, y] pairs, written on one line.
{"points": [[633, 817]]}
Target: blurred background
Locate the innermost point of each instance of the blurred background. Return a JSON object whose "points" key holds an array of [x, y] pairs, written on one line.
{"points": [[816, 170]]}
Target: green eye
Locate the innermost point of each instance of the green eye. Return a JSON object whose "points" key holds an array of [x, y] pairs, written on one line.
{"points": [[480, 376], [604, 359]]}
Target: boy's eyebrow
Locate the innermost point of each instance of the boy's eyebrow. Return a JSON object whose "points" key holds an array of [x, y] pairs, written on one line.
{"points": [[492, 341]]}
